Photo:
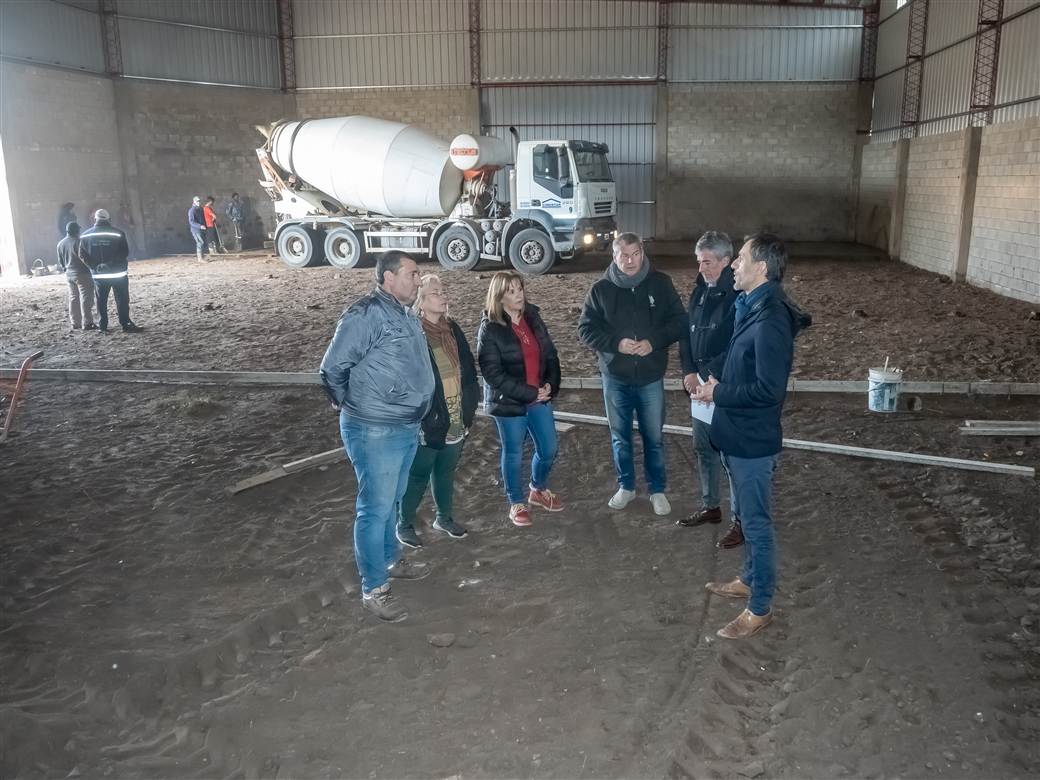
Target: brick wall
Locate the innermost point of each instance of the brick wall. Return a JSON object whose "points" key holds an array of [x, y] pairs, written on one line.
{"points": [[933, 188], [741, 157], [60, 144], [444, 112], [1005, 240], [877, 190], [185, 140]]}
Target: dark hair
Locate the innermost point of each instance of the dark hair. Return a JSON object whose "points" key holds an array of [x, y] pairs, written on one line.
{"points": [[390, 261], [210, 199], [234, 194], [768, 248], [68, 205], [72, 229]]}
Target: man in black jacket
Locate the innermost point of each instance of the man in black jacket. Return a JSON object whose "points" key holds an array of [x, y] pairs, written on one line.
{"points": [[702, 353], [106, 252], [748, 398], [630, 317]]}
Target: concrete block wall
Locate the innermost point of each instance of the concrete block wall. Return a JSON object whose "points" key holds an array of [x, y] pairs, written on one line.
{"points": [[184, 140], [60, 144], [444, 112], [933, 202], [743, 157], [1004, 254], [877, 192]]}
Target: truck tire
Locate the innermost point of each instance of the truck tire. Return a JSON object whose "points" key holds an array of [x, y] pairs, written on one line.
{"points": [[343, 248], [299, 247], [531, 252], [456, 250]]}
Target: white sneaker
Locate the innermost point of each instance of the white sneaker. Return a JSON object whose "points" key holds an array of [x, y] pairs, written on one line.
{"points": [[621, 499], [659, 501]]}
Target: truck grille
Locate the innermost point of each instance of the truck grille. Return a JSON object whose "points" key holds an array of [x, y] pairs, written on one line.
{"points": [[602, 207]]}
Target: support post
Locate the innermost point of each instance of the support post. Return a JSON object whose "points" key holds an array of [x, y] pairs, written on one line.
{"points": [[913, 74], [895, 229], [969, 178], [110, 37], [474, 43], [987, 57], [661, 198], [286, 50], [868, 44]]}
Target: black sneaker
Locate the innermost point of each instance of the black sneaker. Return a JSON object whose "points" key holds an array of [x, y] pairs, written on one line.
{"points": [[450, 527], [409, 570], [407, 536], [131, 328], [381, 603]]}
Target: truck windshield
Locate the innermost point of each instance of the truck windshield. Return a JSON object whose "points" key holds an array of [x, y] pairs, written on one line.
{"points": [[591, 165]]}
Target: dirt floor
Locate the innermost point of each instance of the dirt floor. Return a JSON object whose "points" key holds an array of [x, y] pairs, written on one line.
{"points": [[154, 626]]}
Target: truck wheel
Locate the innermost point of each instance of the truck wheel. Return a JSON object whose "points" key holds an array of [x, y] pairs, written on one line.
{"points": [[343, 248], [298, 247], [531, 252], [456, 250]]}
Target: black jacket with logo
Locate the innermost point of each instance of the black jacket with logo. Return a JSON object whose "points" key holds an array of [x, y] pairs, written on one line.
{"points": [[105, 248], [710, 322], [437, 422], [501, 359], [651, 310]]}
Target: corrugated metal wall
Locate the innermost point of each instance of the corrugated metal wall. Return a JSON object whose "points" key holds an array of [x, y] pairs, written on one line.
{"points": [[951, 22], [51, 33], [374, 43], [946, 88], [620, 116], [233, 42], [1018, 74], [711, 42], [891, 48], [888, 94]]}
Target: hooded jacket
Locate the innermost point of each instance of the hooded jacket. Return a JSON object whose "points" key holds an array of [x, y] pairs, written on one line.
{"points": [[377, 366], [750, 395], [651, 310], [501, 358], [709, 316], [105, 250]]}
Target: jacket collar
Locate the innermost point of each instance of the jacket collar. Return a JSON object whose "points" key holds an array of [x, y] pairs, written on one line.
{"points": [[724, 284], [386, 297]]}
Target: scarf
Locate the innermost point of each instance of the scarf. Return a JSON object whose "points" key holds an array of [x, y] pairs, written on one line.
{"points": [[625, 282], [441, 334]]}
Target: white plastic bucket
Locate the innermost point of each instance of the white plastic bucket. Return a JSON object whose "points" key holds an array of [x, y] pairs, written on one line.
{"points": [[883, 389]]}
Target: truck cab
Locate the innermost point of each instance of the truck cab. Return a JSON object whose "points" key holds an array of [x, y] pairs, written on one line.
{"points": [[567, 187]]}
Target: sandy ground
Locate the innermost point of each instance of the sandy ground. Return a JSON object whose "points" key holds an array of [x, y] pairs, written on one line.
{"points": [[154, 626]]}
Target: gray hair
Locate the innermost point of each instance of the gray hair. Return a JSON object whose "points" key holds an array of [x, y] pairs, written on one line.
{"points": [[627, 239], [716, 242], [768, 248], [424, 286], [390, 261]]}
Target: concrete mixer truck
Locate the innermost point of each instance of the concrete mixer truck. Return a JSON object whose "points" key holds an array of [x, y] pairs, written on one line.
{"points": [[348, 187]]}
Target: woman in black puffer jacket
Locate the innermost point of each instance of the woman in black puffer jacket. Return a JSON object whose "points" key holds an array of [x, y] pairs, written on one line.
{"points": [[521, 373]]}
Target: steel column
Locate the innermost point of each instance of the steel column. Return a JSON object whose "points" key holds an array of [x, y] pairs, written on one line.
{"points": [[663, 19], [286, 50], [984, 66], [868, 45], [110, 37], [916, 37], [474, 43]]}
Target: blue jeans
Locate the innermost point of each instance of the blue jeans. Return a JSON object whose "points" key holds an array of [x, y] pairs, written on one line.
{"points": [[751, 480], [512, 432], [708, 464], [647, 404], [200, 242], [382, 456]]}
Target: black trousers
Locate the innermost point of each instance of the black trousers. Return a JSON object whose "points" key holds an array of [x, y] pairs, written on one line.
{"points": [[121, 290]]}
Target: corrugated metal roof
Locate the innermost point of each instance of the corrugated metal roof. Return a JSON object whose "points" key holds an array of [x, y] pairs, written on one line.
{"points": [[51, 33]]}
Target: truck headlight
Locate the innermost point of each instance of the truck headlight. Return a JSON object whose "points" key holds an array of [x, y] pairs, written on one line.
{"points": [[589, 238]]}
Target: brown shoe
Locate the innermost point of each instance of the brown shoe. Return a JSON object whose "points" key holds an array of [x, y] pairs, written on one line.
{"points": [[700, 518], [734, 537], [744, 625], [733, 590]]}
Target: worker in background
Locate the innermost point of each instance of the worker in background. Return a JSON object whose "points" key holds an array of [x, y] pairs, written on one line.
{"points": [[77, 274], [745, 428], [210, 218], [197, 225], [377, 373], [631, 317], [65, 216], [702, 354], [236, 213], [105, 250]]}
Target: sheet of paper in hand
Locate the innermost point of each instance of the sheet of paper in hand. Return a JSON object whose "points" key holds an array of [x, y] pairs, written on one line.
{"points": [[700, 410]]}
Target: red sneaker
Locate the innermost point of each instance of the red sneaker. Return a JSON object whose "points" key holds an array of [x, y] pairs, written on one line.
{"points": [[519, 515], [545, 499]]}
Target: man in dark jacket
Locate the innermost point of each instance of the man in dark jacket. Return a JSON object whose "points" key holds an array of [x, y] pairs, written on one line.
{"points": [[748, 398], [65, 216], [630, 317], [236, 213], [77, 274], [105, 250], [377, 373], [702, 353], [197, 226]]}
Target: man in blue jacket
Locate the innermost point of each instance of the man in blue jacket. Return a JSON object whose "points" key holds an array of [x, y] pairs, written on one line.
{"points": [[197, 226], [749, 397], [377, 373]]}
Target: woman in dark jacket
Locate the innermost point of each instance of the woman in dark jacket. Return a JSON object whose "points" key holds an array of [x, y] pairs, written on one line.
{"points": [[446, 425], [521, 377]]}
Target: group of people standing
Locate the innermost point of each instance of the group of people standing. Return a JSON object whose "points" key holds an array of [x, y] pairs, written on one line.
{"points": [[95, 264], [403, 378], [203, 224]]}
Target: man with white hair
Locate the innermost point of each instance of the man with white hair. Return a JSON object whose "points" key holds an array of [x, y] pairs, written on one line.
{"points": [[105, 251]]}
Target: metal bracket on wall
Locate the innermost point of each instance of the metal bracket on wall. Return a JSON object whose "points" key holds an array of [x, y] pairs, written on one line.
{"points": [[916, 38], [286, 51], [110, 37], [984, 65]]}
